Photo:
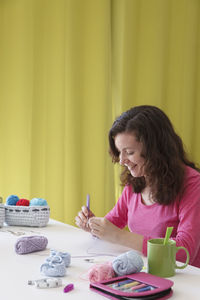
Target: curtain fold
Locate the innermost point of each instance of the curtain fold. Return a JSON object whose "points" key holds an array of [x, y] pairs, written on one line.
{"points": [[67, 69]]}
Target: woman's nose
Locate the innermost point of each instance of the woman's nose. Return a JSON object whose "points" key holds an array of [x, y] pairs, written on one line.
{"points": [[122, 160]]}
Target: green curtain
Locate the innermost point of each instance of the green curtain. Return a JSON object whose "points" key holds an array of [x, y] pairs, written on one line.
{"points": [[67, 69]]}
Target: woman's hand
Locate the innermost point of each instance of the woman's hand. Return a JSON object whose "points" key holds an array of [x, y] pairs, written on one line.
{"points": [[103, 229], [82, 219]]}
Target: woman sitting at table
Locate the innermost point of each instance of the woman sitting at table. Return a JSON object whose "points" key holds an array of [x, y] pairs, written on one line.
{"points": [[161, 186]]}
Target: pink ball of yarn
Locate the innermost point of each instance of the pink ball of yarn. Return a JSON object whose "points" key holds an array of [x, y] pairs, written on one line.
{"points": [[101, 272]]}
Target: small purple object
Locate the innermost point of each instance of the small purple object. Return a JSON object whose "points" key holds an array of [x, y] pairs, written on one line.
{"points": [[30, 244], [88, 202], [68, 288]]}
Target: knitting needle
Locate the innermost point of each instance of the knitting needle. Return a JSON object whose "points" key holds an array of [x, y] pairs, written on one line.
{"points": [[88, 206], [88, 202]]}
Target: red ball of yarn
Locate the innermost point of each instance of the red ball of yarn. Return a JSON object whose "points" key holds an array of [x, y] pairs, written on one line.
{"points": [[22, 202]]}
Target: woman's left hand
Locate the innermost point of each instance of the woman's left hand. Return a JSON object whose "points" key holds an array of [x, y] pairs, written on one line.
{"points": [[103, 229]]}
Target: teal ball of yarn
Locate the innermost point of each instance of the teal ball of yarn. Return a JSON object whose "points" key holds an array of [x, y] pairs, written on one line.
{"points": [[127, 263], [12, 200], [38, 202]]}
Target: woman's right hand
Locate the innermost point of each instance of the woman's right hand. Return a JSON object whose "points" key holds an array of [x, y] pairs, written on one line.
{"points": [[82, 218]]}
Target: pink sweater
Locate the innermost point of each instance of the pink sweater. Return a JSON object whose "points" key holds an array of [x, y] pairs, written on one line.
{"points": [[151, 221]]}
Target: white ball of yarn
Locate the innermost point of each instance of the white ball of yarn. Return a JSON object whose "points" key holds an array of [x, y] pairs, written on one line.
{"points": [[128, 263]]}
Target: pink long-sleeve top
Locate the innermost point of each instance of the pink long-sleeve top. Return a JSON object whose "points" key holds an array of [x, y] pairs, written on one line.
{"points": [[151, 221]]}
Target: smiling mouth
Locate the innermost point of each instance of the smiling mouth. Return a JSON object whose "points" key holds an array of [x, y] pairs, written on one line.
{"points": [[131, 168]]}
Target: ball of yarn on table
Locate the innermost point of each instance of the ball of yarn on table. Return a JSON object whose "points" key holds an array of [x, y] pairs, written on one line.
{"points": [[127, 263], [12, 200], [38, 202], [30, 244], [101, 272], [22, 202]]}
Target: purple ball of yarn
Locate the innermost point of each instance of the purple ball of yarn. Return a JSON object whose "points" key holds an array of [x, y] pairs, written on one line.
{"points": [[30, 244], [12, 200]]}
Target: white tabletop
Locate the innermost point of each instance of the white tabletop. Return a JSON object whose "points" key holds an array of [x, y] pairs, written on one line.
{"points": [[16, 270]]}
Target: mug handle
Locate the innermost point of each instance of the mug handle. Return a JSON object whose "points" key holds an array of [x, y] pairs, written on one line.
{"points": [[187, 259]]}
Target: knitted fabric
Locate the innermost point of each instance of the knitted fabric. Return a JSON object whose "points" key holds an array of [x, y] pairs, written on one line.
{"points": [[128, 263], [30, 244], [54, 267], [66, 257]]}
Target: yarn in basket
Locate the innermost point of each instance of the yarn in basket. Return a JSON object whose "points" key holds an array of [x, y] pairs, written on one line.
{"points": [[38, 202], [12, 200], [22, 202]]}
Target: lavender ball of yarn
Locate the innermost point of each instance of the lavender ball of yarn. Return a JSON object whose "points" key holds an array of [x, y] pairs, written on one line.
{"points": [[38, 202], [12, 200], [30, 244], [127, 263]]}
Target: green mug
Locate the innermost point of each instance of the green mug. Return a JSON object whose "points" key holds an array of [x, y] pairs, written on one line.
{"points": [[161, 259]]}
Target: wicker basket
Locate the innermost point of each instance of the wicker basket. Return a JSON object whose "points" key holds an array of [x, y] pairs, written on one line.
{"points": [[33, 216], [2, 214]]}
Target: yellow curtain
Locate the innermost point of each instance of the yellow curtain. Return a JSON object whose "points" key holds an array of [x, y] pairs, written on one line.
{"points": [[67, 69], [156, 60]]}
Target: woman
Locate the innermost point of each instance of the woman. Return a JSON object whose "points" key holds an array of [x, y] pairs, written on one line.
{"points": [[161, 186]]}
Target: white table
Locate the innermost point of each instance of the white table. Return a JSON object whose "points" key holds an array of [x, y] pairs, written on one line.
{"points": [[16, 270]]}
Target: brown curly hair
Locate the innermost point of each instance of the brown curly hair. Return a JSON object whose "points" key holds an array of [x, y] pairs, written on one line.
{"points": [[162, 149]]}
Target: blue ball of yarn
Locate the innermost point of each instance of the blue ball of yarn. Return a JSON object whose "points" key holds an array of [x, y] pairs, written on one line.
{"points": [[12, 200], [128, 263], [38, 202]]}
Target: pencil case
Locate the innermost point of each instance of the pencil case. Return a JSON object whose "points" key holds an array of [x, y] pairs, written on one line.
{"points": [[134, 286], [2, 214], [33, 216]]}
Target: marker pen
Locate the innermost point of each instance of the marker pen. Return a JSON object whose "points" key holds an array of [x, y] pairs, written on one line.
{"points": [[123, 282], [129, 285], [138, 286], [144, 289]]}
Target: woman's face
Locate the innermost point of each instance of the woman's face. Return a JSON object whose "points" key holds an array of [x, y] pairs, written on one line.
{"points": [[130, 153]]}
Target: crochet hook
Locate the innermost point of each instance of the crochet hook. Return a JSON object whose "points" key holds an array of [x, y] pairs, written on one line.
{"points": [[88, 202], [88, 206]]}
